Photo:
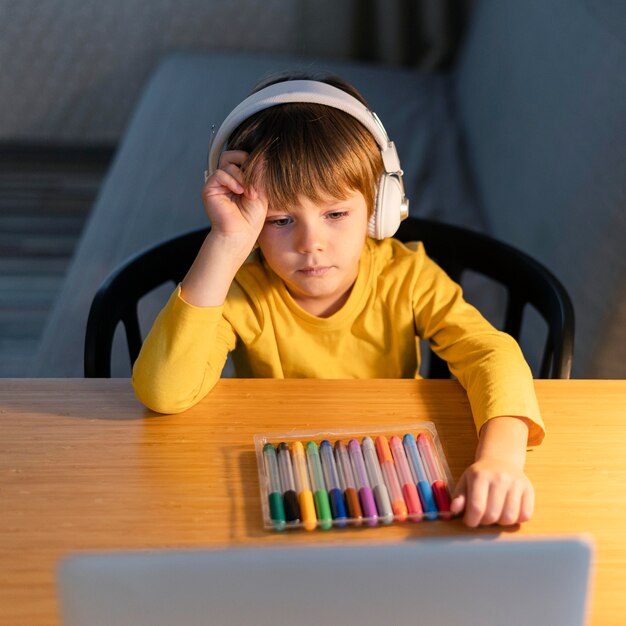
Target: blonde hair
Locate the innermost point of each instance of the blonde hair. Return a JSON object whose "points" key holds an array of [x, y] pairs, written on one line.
{"points": [[308, 150]]}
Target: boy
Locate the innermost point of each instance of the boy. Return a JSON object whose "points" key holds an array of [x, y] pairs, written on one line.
{"points": [[306, 180]]}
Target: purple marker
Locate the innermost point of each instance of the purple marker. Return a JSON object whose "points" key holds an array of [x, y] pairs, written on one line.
{"points": [[366, 497]]}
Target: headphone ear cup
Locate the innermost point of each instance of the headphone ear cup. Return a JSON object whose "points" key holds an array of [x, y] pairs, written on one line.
{"points": [[387, 214]]}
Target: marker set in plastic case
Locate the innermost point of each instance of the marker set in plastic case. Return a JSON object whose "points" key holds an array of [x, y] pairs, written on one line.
{"points": [[312, 479]]}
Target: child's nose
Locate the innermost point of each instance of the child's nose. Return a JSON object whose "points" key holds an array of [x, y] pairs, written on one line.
{"points": [[310, 238]]}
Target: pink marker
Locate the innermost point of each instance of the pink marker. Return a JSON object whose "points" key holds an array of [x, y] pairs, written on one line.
{"points": [[409, 488]]}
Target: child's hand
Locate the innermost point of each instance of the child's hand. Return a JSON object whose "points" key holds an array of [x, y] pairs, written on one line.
{"points": [[234, 211], [494, 489], [237, 216], [493, 492]]}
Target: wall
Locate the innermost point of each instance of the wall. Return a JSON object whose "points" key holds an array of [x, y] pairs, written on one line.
{"points": [[72, 70]]}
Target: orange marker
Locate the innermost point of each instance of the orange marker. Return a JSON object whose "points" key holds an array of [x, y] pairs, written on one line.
{"points": [[398, 505], [305, 495]]}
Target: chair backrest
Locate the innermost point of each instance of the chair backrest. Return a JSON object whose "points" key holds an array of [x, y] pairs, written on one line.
{"points": [[117, 299], [455, 249], [526, 281]]}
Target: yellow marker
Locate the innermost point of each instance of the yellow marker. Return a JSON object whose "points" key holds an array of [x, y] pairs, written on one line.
{"points": [[305, 495]]}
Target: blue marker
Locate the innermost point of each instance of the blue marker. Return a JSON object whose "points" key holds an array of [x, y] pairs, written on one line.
{"points": [[331, 476], [418, 471]]}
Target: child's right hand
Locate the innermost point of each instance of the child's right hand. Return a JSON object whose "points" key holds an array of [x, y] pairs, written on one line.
{"points": [[237, 216], [236, 213]]}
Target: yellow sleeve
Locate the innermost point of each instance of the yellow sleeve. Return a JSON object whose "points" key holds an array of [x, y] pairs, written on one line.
{"points": [[487, 362], [183, 356]]}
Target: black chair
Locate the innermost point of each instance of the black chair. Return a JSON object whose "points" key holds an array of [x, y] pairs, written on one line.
{"points": [[118, 297], [457, 250], [527, 283]]}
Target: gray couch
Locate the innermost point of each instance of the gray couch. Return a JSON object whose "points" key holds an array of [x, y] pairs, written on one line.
{"points": [[524, 140]]}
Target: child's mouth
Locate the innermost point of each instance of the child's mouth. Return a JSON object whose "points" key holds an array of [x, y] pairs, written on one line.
{"points": [[317, 270]]}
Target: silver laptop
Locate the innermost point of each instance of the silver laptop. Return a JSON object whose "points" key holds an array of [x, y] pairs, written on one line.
{"points": [[465, 582]]}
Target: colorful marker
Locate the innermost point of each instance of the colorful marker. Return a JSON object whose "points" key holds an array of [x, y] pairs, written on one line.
{"points": [[333, 484], [290, 497], [346, 480], [409, 489], [366, 497], [391, 478], [320, 495], [275, 495], [418, 472], [381, 495], [305, 496], [426, 448]]}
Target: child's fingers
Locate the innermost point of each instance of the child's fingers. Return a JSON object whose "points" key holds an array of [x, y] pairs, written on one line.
{"points": [[477, 496], [251, 193], [234, 171], [527, 505], [457, 503], [220, 181], [498, 499], [492, 507], [512, 506], [237, 157]]}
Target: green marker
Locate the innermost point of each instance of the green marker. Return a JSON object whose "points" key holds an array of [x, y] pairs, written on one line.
{"points": [[320, 495], [275, 496]]}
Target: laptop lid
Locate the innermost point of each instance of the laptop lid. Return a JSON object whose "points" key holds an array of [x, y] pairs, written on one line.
{"points": [[469, 582]]}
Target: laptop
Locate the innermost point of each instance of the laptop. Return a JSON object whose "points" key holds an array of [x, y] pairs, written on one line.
{"points": [[466, 582]]}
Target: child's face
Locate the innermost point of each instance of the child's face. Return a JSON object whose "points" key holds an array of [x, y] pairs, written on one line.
{"points": [[315, 248]]}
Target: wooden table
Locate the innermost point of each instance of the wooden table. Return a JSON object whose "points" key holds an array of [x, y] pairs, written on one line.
{"points": [[84, 466]]}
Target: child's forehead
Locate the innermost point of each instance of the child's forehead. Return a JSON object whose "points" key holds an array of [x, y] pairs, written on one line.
{"points": [[320, 201]]}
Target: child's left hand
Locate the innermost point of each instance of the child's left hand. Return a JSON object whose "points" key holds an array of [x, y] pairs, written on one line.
{"points": [[493, 492], [494, 489]]}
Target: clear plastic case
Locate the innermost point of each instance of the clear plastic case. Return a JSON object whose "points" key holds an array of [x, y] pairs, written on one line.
{"points": [[374, 476]]}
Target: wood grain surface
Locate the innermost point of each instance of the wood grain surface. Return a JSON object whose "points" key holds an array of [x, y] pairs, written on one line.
{"points": [[83, 466]]}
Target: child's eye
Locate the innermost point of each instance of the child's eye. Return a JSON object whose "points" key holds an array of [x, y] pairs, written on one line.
{"points": [[336, 215], [279, 221]]}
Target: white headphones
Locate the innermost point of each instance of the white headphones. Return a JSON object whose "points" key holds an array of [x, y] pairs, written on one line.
{"points": [[391, 206]]}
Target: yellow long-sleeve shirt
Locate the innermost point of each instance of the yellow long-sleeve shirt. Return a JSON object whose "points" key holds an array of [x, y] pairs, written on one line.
{"points": [[399, 296]]}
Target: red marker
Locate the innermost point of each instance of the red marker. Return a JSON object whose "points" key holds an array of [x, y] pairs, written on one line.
{"points": [[427, 451]]}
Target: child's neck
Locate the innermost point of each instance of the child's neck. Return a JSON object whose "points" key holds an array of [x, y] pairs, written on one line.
{"points": [[322, 308]]}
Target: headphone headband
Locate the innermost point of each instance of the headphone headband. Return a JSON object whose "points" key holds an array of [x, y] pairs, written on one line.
{"points": [[305, 91], [390, 204]]}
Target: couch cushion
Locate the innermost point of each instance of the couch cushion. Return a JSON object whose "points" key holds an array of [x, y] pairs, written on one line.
{"points": [[541, 95]]}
